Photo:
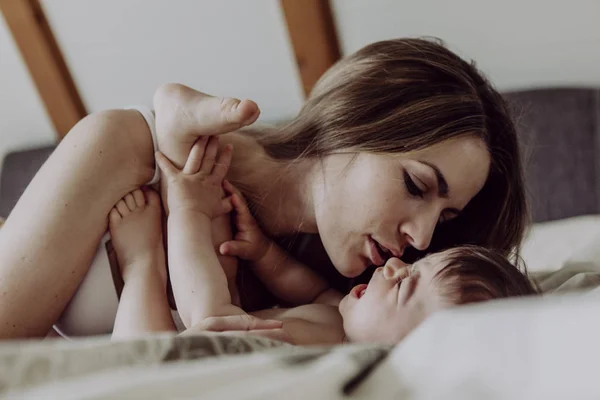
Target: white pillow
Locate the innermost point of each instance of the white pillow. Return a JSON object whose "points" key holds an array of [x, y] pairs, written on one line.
{"points": [[550, 246]]}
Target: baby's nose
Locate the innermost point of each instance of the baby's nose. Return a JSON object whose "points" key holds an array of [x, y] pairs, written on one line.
{"points": [[395, 269]]}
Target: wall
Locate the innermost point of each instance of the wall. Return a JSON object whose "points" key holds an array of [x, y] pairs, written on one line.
{"points": [[120, 50], [518, 43]]}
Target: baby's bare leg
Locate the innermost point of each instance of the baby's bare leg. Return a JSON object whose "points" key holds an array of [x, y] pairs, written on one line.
{"points": [[135, 228], [182, 115], [51, 236]]}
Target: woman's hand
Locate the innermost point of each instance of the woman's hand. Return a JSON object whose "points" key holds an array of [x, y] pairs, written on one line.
{"points": [[242, 325]]}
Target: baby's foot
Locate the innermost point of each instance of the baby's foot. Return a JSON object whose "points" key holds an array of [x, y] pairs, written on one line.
{"points": [[135, 229], [183, 114]]}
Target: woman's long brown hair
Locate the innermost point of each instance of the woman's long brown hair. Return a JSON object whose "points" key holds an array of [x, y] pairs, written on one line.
{"points": [[397, 96]]}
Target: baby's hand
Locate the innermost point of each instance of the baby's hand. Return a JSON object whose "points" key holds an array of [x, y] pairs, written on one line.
{"points": [[249, 243], [198, 186]]}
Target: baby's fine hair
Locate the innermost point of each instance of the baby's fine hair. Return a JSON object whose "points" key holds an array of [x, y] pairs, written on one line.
{"points": [[475, 274]]}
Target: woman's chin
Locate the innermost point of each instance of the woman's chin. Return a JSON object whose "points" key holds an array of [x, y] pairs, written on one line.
{"points": [[351, 267]]}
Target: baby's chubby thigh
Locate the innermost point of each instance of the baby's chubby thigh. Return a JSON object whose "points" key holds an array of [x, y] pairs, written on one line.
{"points": [[222, 232]]}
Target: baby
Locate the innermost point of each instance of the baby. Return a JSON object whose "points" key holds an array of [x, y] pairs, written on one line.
{"points": [[397, 298]]}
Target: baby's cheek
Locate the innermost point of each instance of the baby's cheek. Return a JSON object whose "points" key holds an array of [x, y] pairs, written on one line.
{"points": [[348, 311], [342, 306]]}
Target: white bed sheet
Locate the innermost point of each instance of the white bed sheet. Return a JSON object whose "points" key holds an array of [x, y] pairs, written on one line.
{"points": [[544, 347], [537, 348]]}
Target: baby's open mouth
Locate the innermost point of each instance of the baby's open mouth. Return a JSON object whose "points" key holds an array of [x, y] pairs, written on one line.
{"points": [[359, 290]]}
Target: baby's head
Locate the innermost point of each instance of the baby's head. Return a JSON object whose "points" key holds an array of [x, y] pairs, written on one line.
{"points": [[400, 296]]}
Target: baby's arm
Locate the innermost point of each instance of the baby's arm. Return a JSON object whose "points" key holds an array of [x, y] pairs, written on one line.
{"points": [[288, 279], [183, 116], [143, 306], [194, 195]]}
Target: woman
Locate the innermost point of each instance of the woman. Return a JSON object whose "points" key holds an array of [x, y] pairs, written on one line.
{"points": [[401, 145]]}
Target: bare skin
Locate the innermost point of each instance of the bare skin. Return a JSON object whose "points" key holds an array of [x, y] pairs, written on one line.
{"points": [[49, 239], [181, 115], [385, 311], [51, 236], [142, 263], [195, 199]]}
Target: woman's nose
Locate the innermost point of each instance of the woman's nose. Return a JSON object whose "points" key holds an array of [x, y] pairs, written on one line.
{"points": [[395, 269], [420, 230]]}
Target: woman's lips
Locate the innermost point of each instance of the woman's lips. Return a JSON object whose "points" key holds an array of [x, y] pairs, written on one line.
{"points": [[394, 252], [359, 290], [374, 254]]}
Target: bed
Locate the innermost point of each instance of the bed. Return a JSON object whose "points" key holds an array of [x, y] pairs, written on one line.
{"points": [[540, 348]]}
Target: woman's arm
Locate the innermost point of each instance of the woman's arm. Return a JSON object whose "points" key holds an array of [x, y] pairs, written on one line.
{"points": [[50, 238]]}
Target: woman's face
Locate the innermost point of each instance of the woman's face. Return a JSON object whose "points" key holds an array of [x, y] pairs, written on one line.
{"points": [[370, 207]]}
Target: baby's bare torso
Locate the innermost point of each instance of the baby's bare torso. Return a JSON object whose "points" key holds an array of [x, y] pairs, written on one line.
{"points": [[310, 324]]}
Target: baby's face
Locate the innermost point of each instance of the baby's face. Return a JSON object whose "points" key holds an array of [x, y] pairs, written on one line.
{"points": [[397, 299]]}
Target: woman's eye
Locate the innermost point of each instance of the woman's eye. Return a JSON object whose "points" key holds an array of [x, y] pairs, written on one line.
{"points": [[447, 217], [412, 188]]}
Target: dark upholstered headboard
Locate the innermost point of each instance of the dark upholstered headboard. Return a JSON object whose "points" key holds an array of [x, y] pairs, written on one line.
{"points": [[560, 136], [560, 132]]}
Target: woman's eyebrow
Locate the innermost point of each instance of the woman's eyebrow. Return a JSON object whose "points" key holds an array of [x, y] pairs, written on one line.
{"points": [[443, 189]]}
